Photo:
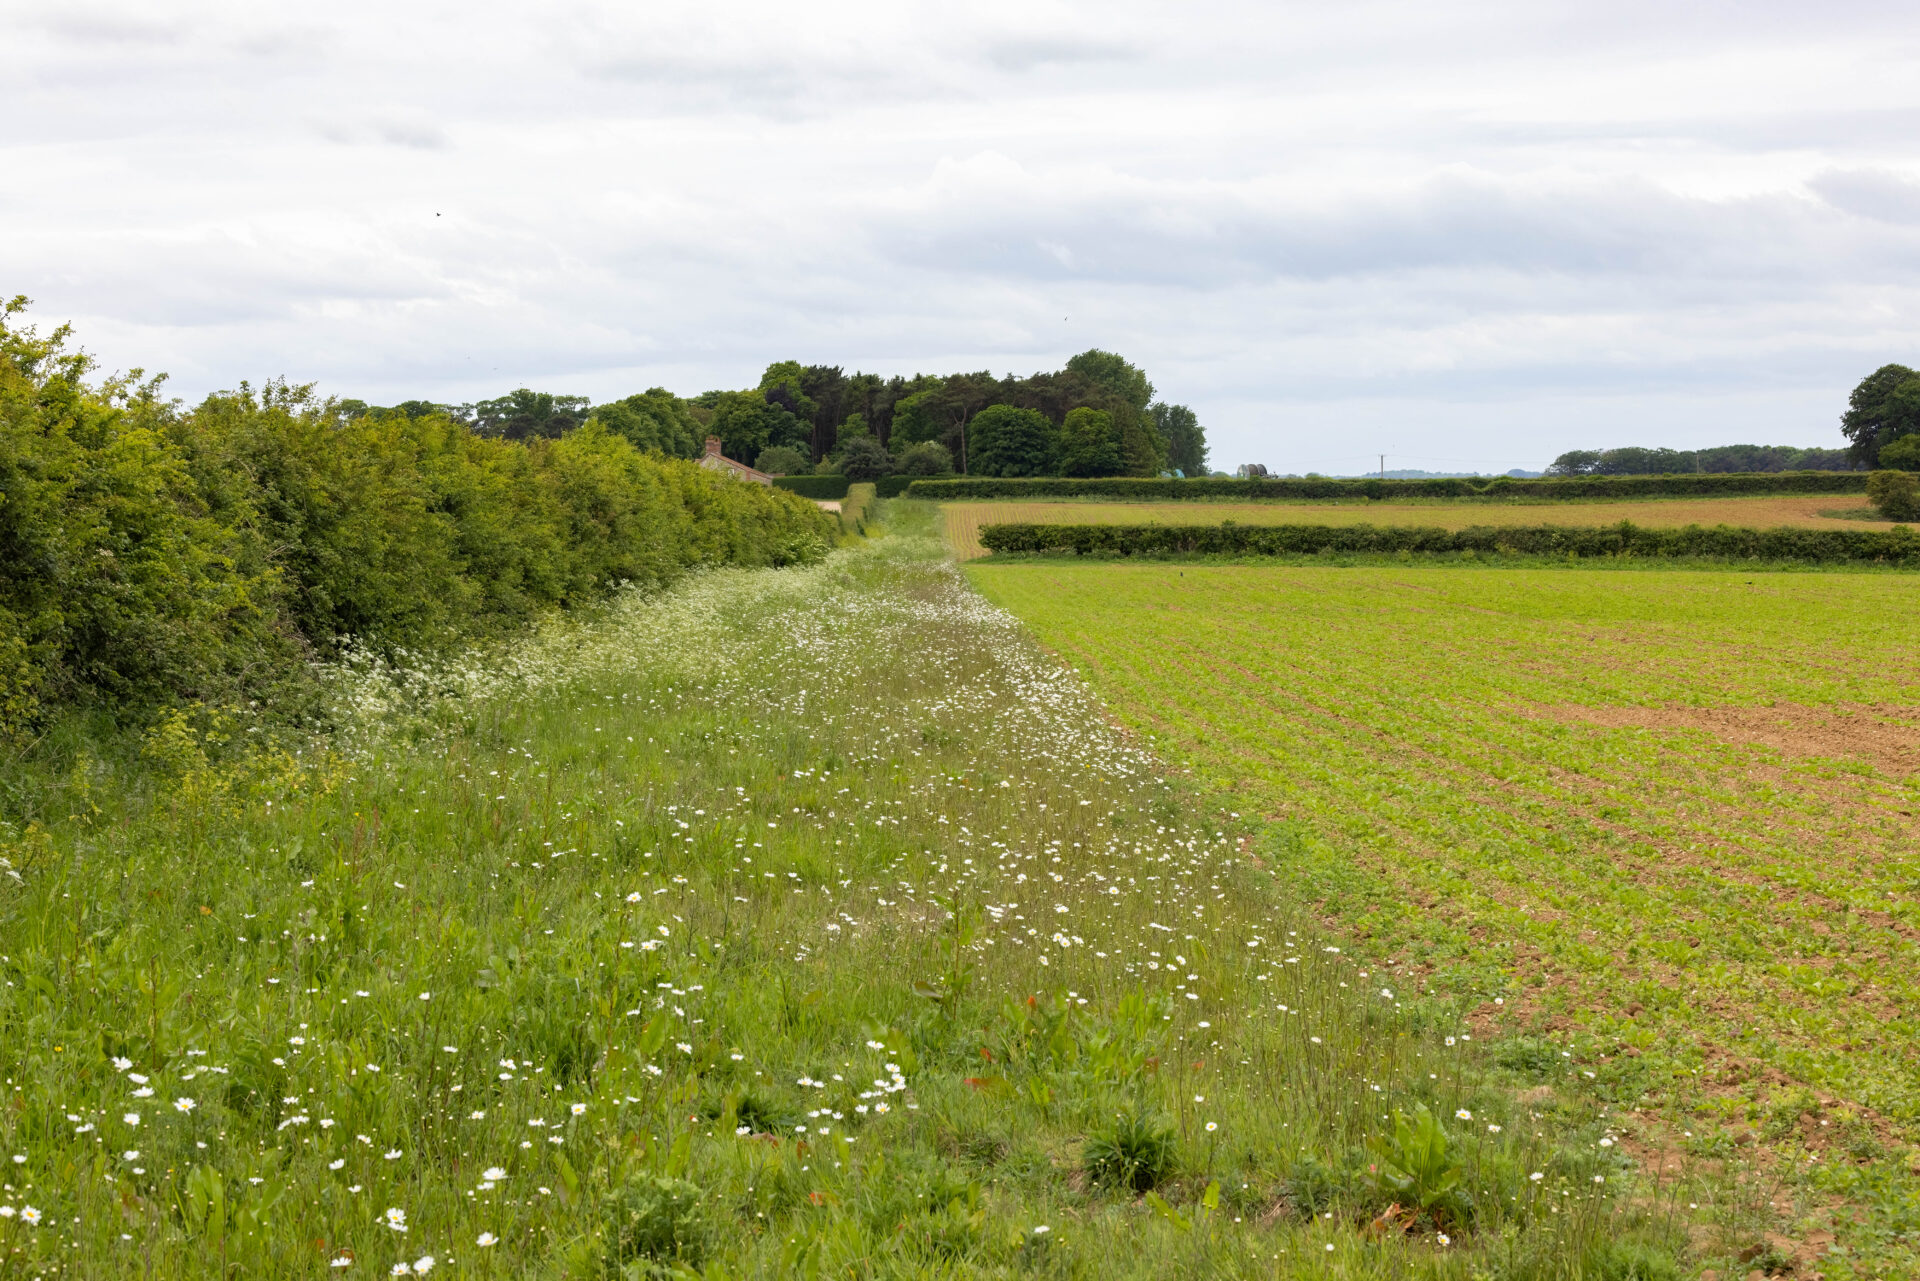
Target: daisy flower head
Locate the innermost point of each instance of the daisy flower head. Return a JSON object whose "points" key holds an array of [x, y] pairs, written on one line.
{"points": [[183, 1105], [395, 1218]]}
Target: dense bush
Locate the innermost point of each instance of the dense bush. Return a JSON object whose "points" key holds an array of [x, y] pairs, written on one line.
{"points": [[814, 486], [781, 460], [150, 554], [1903, 454], [1004, 440], [1895, 493], [928, 458], [1900, 545], [1288, 487], [864, 458]]}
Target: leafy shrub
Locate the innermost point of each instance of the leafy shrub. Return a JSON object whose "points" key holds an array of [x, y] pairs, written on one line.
{"points": [[653, 1221], [865, 458], [1135, 1152], [1900, 546], [150, 555], [1895, 493], [928, 458], [781, 460], [1297, 487], [1902, 454]]}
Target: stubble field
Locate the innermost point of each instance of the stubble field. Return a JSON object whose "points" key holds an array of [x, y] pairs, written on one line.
{"points": [[963, 520], [1665, 818]]}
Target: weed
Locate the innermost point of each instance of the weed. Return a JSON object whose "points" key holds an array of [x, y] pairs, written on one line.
{"points": [[1134, 1151]]}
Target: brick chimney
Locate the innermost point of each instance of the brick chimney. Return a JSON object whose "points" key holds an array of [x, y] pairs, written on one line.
{"points": [[713, 447]]}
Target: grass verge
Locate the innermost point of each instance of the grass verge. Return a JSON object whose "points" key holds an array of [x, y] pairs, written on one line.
{"points": [[788, 923]]}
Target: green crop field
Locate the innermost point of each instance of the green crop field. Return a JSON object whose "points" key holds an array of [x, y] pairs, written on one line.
{"points": [[1666, 818]]}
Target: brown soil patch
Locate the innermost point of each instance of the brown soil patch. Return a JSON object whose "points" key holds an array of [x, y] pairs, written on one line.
{"points": [[1884, 735]]}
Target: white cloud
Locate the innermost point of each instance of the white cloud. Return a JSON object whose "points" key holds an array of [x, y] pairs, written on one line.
{"points": [[1488, 231]]}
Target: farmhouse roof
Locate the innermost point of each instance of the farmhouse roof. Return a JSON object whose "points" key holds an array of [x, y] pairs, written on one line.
{"points": [[720, 462]]}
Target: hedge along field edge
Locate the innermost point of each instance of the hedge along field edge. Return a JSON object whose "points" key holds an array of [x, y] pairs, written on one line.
{"points": [[1899, 545], [828, 487], [1554, 489]]}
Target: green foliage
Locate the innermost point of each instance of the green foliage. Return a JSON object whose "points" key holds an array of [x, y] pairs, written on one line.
{"points": [[1903, 453], [1632, 1259], [747, 422], [1135, 1151], [1005, 441], [119, 573], [1787, 543], [1285, 487], [525, 415], [1186, 441], [1415, 1166], [1119, 377], [917, 417], [150, 555], [1895, 493], [864, 459], [655, 420], [652, 1222], [781, 460], [928, 458], [828, 487], [897, 484], [1636, 461], [1882, 409], [1089, 445]]}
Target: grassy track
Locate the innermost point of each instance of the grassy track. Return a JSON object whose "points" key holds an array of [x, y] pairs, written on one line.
{"points": [[793, 923], [1669, 817], [963, 520]]}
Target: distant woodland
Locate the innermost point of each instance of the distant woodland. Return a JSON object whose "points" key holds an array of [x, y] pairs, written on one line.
{"points": [[1098, 416]]}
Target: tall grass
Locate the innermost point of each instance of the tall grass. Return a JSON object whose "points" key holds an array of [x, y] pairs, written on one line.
{"points": [[786, 923]]}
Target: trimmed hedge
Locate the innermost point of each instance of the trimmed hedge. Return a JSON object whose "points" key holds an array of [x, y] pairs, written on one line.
{"points": [[1557, 487], [814, 486], [1899, 545], [894, 486]]}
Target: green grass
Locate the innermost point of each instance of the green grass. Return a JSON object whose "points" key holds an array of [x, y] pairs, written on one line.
{"points": [[585, 954], [1663, 818]]}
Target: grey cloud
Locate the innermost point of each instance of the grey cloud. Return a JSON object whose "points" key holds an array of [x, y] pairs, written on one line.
{"points": [[1211, 236], [1871, 193]]}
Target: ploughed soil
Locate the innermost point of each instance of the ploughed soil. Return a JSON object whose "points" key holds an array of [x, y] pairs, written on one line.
{"points": [[1886, 736]]}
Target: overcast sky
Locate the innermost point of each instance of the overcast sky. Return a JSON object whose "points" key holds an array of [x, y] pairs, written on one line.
{"points": [[1465, 235]]}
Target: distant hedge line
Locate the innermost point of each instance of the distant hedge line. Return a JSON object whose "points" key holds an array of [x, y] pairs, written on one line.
{"points": [[1899, 545], [831, 487], [826, 487], [1787, 482], [894, 486], [154, 555]]}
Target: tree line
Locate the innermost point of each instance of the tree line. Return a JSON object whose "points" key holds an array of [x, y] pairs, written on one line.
{"points": [[152, 553], [1098, 416], [1881, 424]]}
